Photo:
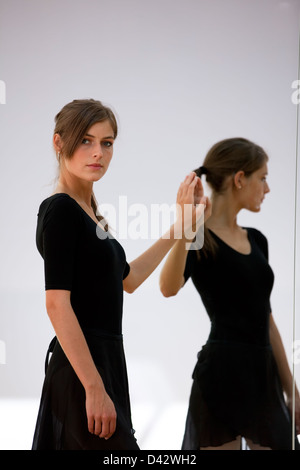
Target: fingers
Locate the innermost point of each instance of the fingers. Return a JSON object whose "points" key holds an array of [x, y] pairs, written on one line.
{"points": [[102, 427], [191, 181], [188, 186], [101, 415], [108, 429], [191, 178], [91, 424]]}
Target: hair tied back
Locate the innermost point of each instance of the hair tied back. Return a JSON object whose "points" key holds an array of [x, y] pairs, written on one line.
{"points": [[202, 171]]}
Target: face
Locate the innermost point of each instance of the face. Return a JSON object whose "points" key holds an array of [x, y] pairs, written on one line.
{"points": [[254, 188], [91, 159]]}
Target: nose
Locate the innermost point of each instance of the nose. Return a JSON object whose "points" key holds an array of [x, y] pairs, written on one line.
{"points": [[98, 151], [267, 188]]}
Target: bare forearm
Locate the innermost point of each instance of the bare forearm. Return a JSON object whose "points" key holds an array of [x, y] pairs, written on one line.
{"points": [[171, 276], [73, 343], [100, 410], [147, 262]]}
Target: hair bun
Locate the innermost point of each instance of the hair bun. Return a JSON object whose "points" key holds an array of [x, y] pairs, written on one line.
{"points": [[202, 170]]}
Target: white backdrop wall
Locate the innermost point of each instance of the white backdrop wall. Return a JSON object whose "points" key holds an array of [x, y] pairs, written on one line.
{"points": [[181, 75]]}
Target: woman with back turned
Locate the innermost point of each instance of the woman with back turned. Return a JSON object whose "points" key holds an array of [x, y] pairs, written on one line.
{"points": [[85, 400], [242, 370]]}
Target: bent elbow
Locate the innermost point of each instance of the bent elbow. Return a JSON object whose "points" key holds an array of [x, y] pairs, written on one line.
{"points": [[167, 292], [51, 305], [129, 290], [129, 286], [57, 300]]}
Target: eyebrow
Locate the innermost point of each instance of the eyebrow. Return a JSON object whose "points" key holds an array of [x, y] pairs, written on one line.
{"points": [[108, 137]]}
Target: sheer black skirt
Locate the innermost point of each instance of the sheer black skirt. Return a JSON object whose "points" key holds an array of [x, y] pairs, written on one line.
{"points": [[62, 420], [236, 391]]}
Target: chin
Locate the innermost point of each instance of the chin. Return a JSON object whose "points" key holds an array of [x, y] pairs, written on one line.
{"points": [[95, 178], [253, 208]]}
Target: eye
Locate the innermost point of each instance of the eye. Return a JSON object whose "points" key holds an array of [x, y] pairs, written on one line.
{"points": [[107, 143], [85, 141]]}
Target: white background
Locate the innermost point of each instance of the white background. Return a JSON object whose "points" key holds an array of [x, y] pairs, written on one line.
{"points": [[180, 75]]}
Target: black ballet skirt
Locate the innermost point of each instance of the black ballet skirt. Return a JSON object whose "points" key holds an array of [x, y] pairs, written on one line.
{"points": [[236, 388], [80, 257], [62, 421]]}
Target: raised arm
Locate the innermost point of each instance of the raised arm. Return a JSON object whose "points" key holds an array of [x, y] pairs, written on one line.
{"points": [[171, 277], [172, 274], [145, 264]]}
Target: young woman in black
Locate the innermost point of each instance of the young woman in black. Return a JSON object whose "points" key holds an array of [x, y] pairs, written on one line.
{"points": [[85, 400], [242, 370]]}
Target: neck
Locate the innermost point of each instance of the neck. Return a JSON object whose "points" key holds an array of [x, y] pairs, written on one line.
{"points": [[80, 190], [224, 212]]}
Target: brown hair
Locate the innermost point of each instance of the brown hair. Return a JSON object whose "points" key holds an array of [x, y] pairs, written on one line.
{"points": [[223, 160], [72, 123]]}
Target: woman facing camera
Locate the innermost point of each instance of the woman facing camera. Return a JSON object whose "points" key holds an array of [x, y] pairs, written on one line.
{"points": [[85, 399], [242, 370]]}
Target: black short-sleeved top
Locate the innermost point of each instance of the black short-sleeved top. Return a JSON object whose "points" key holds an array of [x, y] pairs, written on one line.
{"points": [[80, 257], [235, 289]]}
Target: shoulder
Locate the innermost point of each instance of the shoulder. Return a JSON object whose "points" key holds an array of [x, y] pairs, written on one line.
{"points": [[59, 202], [256, 234], [60, 208], [259, 238]]}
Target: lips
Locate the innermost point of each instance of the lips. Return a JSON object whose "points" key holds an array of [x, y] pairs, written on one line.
{"points": [[95, 166]]}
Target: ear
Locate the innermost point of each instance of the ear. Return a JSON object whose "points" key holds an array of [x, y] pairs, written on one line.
{"points": [[238, 180], [57, 143]]}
